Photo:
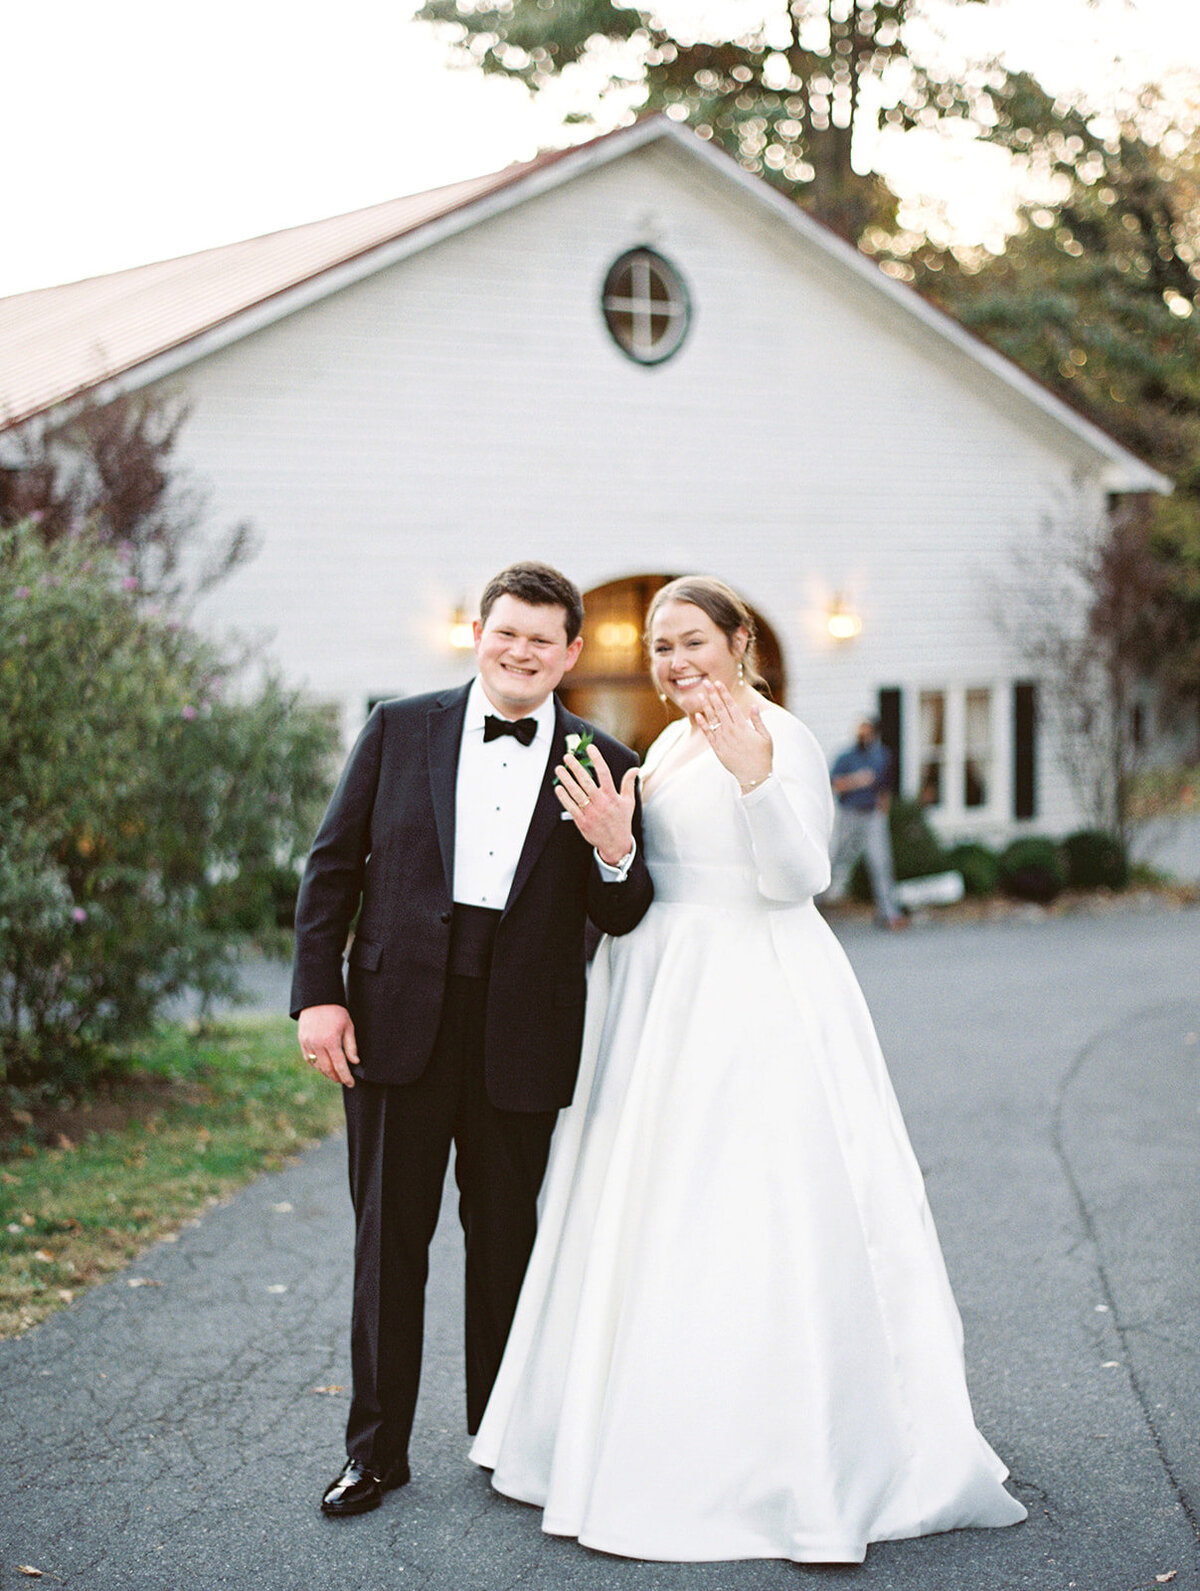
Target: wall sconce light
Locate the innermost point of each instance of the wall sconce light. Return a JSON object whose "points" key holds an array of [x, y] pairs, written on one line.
{"points": [[842, 622], [462, 635]]}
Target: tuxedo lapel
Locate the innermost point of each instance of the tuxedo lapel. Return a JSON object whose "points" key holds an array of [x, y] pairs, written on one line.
{"points": [[547, 810], [444, 727]]}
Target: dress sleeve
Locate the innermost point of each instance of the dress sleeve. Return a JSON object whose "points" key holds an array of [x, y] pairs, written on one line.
{"points": [[790, 815]]}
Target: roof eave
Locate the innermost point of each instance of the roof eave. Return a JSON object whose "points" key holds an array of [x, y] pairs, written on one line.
{"points": [[527, 185]]}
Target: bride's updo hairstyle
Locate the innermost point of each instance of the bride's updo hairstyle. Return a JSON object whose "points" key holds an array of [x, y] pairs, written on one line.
{"points": [[723, 606]]}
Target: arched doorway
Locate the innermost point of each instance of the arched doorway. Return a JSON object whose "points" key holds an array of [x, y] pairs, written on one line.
{"points": [[610, 685]]}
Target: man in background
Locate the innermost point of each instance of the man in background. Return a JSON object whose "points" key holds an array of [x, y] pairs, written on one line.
{"points": [[862, 783]]}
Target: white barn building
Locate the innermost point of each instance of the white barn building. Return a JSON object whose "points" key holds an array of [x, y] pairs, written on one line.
{"points": [[632, 360]]}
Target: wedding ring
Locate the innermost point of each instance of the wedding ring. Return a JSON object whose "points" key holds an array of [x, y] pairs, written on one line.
{"points": [[585, 801]]}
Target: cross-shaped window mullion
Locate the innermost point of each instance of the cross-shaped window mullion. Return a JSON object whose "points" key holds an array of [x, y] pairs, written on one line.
{"points": [[646, 311]]}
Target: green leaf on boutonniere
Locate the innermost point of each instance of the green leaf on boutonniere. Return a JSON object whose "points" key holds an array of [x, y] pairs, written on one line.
{"points": [[577, 746]]}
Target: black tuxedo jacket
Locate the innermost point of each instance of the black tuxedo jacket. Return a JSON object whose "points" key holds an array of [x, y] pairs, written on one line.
{"points": [[385, 850]]}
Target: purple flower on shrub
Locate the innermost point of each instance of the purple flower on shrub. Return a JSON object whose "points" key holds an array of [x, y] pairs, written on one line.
{"points": [[189, 712], [130, 583], [79, 915], [22, 592]]}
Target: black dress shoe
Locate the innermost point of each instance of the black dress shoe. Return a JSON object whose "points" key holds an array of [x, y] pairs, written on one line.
{"points": [[357, 1490]]}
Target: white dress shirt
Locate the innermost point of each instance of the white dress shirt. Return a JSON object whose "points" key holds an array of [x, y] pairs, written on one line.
{"points": [[496, 792]]}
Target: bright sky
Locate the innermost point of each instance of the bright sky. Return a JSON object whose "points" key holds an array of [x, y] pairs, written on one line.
{"points": [[138, 129]]}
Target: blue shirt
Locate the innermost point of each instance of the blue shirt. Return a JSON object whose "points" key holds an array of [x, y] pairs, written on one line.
{"points": [[878, 760]]}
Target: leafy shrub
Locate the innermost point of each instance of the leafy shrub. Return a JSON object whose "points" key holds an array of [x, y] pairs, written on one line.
{"points": [[1032, 869], [916, 850], [145, 805], [1095, 860], [980, 867]]}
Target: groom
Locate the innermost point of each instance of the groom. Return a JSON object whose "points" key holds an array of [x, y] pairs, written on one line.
{"points": [[447, 844]]}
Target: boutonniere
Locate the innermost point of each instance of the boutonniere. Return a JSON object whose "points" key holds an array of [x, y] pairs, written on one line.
{"points": [[578, 745]]}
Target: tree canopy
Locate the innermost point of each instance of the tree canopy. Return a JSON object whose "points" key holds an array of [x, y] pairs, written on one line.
{"points": [[1095, 295], [794, 95]]}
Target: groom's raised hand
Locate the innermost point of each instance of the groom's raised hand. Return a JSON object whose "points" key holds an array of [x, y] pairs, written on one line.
{"points": [[602, 813], [327, 1042]]}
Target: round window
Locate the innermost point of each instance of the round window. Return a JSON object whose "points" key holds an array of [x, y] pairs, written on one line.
{"points": [[645, 306]]}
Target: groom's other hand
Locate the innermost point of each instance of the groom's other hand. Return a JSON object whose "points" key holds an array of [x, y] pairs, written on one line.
{"points": [[602, 813], [327, 1042]]}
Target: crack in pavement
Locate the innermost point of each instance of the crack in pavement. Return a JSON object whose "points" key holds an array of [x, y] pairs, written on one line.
{"points": [[1129, 1024]]}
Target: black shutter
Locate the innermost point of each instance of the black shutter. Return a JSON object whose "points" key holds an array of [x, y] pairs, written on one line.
{"points": [[890, 730], [1024, 749]]}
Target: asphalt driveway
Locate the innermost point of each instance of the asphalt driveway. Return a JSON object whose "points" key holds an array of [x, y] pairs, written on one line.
{"points": [[177, 1434]]}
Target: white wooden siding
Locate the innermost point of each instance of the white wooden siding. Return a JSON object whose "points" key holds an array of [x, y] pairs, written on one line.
{"points": [[398, 443]]}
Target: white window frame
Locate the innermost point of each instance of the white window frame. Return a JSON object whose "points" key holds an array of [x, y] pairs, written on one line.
{"points": [[952, 814]]}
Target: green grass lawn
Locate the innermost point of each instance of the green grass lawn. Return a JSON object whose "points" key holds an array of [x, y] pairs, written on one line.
{"points": [[84, 1189]]}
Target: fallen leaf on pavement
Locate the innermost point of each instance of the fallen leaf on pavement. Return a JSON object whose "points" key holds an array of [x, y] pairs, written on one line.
{"points": [[27, 1568], [1163, 1578], [329, 1389], [141, 1281]]}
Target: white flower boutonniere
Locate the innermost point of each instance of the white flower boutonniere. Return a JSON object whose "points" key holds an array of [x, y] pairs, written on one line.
{"points": [[577, 747]]}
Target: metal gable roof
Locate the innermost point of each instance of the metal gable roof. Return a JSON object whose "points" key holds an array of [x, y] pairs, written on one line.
{"points": [[134, 326], [59, 342]]}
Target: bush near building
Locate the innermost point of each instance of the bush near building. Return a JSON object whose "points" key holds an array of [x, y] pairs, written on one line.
{"points": [[979, 866], [149, 801], [1095, 860], [1032, 868]]}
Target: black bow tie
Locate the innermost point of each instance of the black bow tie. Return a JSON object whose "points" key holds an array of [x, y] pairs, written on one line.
{"points": [[523, 728]]}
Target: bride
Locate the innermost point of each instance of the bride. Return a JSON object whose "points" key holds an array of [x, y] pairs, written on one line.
{"points": [[736, 1337]]}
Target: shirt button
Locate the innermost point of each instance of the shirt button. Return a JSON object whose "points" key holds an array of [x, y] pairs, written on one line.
{"points": [[446, 916]]}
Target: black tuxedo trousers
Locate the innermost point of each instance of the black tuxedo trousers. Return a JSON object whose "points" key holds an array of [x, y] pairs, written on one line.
{"points": [[399, 1138]]}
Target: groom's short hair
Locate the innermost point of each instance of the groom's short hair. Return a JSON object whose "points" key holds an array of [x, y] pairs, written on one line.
{"points": [[540, 586]]}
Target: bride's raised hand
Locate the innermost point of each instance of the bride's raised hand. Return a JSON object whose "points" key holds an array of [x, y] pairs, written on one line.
{"points": [[740, 739]]}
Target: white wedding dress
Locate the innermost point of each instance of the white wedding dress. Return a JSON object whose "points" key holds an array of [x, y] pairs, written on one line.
{"points": [[736, 1338]]}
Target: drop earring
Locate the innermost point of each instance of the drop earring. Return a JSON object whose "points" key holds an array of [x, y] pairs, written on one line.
{"points": [[741, 673]]}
